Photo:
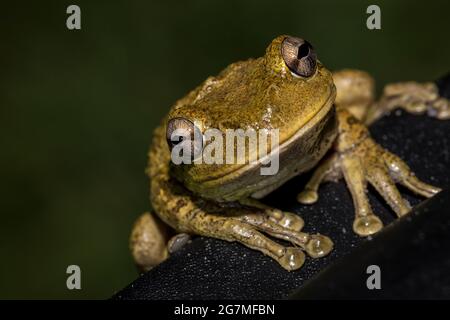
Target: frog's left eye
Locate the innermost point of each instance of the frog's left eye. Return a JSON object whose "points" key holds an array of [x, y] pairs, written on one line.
{"points": [[299, 56], [185, 134]]}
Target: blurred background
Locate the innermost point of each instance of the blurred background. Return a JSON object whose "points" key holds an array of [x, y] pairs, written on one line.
{"points": [[77, 110]]}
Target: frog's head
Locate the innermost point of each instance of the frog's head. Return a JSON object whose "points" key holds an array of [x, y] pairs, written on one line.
{"points": [[287, 89]]}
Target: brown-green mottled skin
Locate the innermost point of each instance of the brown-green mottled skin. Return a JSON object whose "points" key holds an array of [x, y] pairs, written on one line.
{"points": [[312, 117]]}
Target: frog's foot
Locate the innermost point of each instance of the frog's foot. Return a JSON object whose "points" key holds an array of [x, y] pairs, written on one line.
{"points": [[416, 98], [291, 258], [148, 241], [364, 162], [285, 219], [254, 228], [369, 162], [366, 222]]}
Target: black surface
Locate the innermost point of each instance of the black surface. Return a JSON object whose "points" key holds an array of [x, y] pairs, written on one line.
{"points": [[416, 268], [214, 269]]}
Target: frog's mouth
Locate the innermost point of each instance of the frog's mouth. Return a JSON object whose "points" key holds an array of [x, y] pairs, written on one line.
{"points": [[297, 154]]}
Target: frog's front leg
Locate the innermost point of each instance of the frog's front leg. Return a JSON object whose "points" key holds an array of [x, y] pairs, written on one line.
{"points": [[251, 224], [288, 220], [361, 160]]}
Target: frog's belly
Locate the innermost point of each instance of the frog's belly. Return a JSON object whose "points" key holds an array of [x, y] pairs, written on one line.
{"points": [[297, 155]]}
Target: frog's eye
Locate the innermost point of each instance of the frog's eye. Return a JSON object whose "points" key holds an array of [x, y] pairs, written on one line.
{"points": [[184, 135], [299, 56]]}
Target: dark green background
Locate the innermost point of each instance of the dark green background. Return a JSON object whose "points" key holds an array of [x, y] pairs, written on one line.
{"points": [[78, 109]]}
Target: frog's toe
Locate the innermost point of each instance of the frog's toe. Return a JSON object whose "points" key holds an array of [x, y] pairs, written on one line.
{"points": [[367, 225], [319, 246], [403, 174], [328, 170], [177, 242], [440, 109], [292, 259], [308, 197], [381, 180], [373, 164], [286, 219], [391, 170]]}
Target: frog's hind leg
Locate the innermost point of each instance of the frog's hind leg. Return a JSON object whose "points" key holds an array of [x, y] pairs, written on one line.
{"points": [[151, 242], [414, 97], [356, 93], [148, 241]]}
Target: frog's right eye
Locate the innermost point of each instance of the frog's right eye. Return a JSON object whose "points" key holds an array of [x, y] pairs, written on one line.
{"points": [[299, 56], [185, 136]]}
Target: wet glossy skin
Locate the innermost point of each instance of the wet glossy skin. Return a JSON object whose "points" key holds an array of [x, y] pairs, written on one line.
{"points": [[219, 200]]}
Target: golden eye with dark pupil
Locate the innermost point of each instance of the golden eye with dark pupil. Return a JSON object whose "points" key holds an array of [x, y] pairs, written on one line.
{"points": [[180, 130], [299, 56]]}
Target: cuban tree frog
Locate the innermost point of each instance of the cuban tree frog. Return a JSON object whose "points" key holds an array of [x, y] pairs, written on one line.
{"points": [[321, 118]]}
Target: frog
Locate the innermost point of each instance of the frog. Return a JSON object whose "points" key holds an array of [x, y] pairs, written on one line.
{"points": [[322, 118]]}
